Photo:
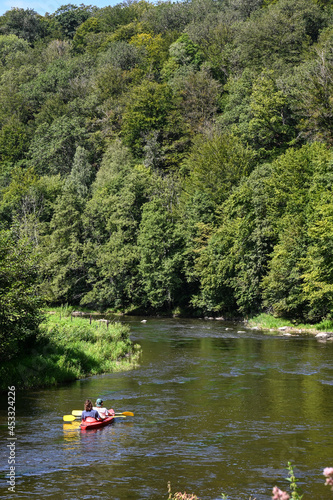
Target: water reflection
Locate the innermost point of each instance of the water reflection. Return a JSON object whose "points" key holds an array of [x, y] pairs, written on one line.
{"points": [[71, 432]]}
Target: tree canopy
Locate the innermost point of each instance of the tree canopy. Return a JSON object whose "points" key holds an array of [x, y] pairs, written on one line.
{"points": [[169, 156]]}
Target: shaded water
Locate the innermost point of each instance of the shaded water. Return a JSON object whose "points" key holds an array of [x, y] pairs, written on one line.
{"points": [[216, 411]]}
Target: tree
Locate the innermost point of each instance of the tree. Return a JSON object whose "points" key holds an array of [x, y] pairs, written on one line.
{"points": [[63, 80], [24, 23], [233, 256], [156, 48], [12, 49], [216, 164], [53, 147], [80, 40], [317, 263], [199, 96], [276, 37], [160, 254], [283, 285], [111, 17], [271, 123], [20, 300], [244, 8], [63, 267], [111, 221], [312, 94], [214, 35], [167, 16], [185, 52], [147, 110], [14, 141], [122, 55], [81, 175], [69, 17]]}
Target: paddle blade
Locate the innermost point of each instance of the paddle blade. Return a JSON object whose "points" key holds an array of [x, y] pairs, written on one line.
{"points": [[77, 413], [68, 418], [126, 413]]}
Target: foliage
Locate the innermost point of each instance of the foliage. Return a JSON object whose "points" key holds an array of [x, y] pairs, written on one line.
{"points": [[24, 23], [54, 146], [277, 36], [81, 37], [20, 300], [160, 256], [147, 110], [69, 17], [293, 483], [216, 164], [68, 348], [173, 155]]}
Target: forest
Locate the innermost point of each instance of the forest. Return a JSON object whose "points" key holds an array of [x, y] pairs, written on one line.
{"points": [[168, 157]]}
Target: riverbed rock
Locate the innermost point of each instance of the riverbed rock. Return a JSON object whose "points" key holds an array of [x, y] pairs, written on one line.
{"points": [[321, 335]]}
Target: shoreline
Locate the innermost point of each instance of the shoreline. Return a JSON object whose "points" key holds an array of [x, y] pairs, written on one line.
{"points": [[67, 350], [262, 321]]}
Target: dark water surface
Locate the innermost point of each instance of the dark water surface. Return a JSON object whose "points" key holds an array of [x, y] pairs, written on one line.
{"points": [[218, 409]]}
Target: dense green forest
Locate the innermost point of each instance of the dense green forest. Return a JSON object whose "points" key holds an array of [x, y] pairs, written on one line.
{"points": [[167, 157]]}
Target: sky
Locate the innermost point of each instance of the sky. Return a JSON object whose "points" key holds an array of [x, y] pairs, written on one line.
{"points": [[49, 6]]}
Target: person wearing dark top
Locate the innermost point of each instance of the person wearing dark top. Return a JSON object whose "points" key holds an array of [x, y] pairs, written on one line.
{"points": [[89, 412]]}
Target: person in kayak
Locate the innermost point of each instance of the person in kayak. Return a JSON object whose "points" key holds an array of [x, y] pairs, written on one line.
{"points": [[103, 412], [89, 411]]}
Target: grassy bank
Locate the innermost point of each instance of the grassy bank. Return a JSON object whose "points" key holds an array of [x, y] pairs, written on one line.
{"points": [[269, 322], [69, 348]]}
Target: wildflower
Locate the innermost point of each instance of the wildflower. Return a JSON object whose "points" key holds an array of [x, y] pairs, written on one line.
{"points": [[184, 496], [179, 495], [328, 473], [279, 494]]}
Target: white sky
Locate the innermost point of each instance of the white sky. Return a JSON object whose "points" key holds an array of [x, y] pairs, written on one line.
{"points": [[49, 6]]}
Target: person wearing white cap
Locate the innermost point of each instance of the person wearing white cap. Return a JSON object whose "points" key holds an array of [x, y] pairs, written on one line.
{"points": [[103, 412]]}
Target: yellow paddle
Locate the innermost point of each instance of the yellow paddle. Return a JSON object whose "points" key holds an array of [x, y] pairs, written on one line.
{"points": [[78, 413], [71, 418]]}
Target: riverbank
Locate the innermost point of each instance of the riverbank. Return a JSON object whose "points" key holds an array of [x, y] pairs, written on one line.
{"points": [[265, 321], [261, 321], [69, 348]]}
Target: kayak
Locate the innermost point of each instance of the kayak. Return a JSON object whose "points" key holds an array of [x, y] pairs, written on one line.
{"points": [[92, 423]]}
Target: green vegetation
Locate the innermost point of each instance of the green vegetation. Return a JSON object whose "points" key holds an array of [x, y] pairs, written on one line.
{"points": [[20, 301], [68, 348], [165, 157], [267, 322]]}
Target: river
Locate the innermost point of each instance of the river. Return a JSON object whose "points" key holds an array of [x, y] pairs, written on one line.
{"points": [[218, 409]]}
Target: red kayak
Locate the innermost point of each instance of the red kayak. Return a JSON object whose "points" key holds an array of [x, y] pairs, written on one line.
{"points": [[92, 423]]}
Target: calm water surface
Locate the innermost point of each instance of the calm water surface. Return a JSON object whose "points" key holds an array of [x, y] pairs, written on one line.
{"points": [[218, 409]]}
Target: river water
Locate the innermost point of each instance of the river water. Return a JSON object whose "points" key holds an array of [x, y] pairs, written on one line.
{"points": [[218, 409]]}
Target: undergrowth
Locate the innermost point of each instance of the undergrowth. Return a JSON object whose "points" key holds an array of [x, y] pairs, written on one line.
{"points": [[70, 348]]}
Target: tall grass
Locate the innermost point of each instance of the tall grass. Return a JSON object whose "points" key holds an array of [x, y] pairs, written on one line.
{"points": [[268, 322], [70, 348]]}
